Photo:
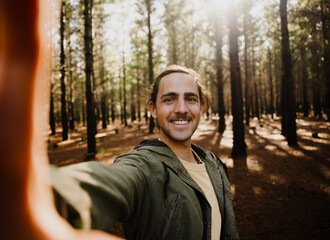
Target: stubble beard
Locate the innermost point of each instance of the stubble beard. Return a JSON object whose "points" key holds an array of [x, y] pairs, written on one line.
{"points": [[175, 137]]}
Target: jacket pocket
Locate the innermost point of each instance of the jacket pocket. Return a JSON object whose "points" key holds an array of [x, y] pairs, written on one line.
{"points": [[172, 224]]}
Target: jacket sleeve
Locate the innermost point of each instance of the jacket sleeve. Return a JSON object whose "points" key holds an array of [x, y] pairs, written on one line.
{"points": [[101, 194]]}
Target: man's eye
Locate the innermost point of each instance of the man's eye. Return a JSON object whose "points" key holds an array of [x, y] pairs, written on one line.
{"points": [[168, 100], [191, 99]]}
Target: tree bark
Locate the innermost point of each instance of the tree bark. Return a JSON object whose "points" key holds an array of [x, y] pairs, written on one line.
{"points": [[325, 18], [219, 67], [150, 59], [51, 111], [277, 83], [133, 109], [103, 94], [315, 67], [124, 88], [246, 79], [71, 106], [288, 101], [91, 123], [239, 146], [64, 118], [112, 101], [256, 96], [305, 104], [270, 76], [138, 96]]}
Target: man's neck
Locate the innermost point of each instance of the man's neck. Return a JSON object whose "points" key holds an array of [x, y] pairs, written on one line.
{"points": [[181, 149]]}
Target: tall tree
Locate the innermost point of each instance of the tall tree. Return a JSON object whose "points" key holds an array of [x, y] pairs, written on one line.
{"points": [[51, 108], [91, 123], [248, 30], [325, 19], [305, 104], [277, 83], [124, 91], [219, 72], [149, 5], [247, 75], [270, 78], [239, 146], [64, 118], [71, 105], [288, 102], [315, 71], [170, 18], [256, 95], [112, 100], [103, 93], [138, 79]]}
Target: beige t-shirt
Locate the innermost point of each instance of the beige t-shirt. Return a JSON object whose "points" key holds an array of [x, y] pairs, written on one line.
{"points": [[199, 174]]}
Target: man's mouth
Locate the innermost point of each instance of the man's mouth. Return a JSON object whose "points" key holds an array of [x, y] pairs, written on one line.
{"points": [[180, 122]]}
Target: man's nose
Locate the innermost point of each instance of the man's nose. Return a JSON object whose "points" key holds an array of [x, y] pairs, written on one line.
{"points": [[181, 106]]}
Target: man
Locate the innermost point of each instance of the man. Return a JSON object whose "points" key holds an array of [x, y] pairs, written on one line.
{"points": [[166, 188]]}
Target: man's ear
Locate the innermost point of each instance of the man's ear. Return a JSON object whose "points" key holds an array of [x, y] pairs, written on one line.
{"points": [[152, 108]]}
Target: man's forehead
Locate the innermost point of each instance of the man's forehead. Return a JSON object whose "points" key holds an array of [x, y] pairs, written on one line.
{"points": [[178, 82]]}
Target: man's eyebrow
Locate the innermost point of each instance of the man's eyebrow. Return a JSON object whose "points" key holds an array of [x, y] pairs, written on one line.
{"points": [[169, 94], [191, 94]]}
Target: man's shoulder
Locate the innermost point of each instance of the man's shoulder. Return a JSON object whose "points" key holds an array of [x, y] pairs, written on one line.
{"points": [[150, 143], [145, 151]]}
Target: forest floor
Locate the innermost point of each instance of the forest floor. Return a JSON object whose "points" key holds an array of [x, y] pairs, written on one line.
{"points": [[280, 192]]}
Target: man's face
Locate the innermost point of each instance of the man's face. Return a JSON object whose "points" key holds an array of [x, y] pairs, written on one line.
{"points": [[178, 107]]}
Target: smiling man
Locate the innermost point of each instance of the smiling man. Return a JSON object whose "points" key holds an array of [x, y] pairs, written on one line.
{"points": [[166, 188]]}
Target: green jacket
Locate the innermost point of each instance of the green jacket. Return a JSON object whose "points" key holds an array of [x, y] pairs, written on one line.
{"points": [[150, 192]]}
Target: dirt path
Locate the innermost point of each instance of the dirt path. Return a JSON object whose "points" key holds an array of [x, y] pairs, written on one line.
{"points": [[279, 192]]}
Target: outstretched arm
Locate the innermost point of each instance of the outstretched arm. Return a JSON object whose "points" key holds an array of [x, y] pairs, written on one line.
{"points": [[27, 209]]}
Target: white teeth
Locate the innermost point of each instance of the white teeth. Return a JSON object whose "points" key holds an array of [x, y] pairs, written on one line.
{"points": [[180, 122]]}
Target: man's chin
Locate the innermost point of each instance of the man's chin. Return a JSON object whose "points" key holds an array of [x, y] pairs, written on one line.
{"points": [[179, 139]]}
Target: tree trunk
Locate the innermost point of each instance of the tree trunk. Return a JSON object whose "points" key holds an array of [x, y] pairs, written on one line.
{"points": [[112, 101], [277, 84], [103, 94], [124, 88], [83, 111], [288, 102], [121, 100], [271, 101], [103, 110], [150, 60], [174, 44], [138, 96], [91, 123], [316, 97], [239, 146], [71, 108], [305, 104], [133, 110], [247, 80], [256, 97], [51, 111], [261, 95], [325, 7], [219, 67], [64, 118], [316, 74]]}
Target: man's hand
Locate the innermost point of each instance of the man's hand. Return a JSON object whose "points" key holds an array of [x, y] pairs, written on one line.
{"points": [[27, 208]]}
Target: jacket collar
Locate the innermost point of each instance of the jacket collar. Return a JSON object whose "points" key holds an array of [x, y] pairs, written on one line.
{"points": [[157, 143], [171, 160]]}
